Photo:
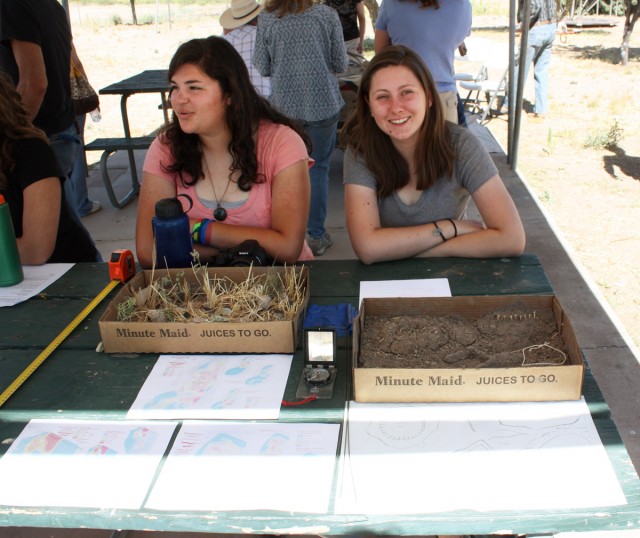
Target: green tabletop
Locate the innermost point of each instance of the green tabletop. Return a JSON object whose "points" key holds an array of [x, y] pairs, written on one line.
{"points": [[78, 382]]}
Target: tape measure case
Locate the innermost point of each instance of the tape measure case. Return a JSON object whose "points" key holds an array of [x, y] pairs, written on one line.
{"points": [[278, 336]]}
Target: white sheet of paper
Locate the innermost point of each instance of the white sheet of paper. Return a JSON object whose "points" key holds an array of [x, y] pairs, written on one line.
{"points": [[83, 463], [423, 458], [420, 287], [36, 278], [248, 466], [237, 387]]}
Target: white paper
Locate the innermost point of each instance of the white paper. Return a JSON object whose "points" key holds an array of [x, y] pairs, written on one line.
{"points": [[213, 387], [421, 287], [83, 463], [36, 278], [423, 458], [250, 466]]}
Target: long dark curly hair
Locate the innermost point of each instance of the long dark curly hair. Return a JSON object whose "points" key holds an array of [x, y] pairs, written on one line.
{"points": [[14, 125], [218, 59], [434, 155]]}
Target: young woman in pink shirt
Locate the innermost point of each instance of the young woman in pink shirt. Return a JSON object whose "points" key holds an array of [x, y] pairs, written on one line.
{"points": [[244, 165]]}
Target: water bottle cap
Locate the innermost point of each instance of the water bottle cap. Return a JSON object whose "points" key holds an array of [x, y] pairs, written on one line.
{"points": [[1, 199], [168, 208]]}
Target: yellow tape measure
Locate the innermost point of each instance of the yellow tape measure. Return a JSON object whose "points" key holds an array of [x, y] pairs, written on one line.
{"points": [[121, 266]]}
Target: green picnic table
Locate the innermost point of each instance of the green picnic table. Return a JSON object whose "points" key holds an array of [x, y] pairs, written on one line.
{"points": [[77, 382]]}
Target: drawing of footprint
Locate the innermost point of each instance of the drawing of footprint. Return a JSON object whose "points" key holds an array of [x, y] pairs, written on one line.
{"points": [[256, 379], [237, 370]]}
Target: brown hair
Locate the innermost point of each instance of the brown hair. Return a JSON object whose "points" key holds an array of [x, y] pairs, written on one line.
{"points": [[14, 125], [219, 60], [288, 7], [434, 153]]}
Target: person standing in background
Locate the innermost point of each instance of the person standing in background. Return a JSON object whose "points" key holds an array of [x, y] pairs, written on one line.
{"points": [[239, 23], [78, 175], [300, 45], [432, 28], [353, 21], [542, 34], [35, 49]]}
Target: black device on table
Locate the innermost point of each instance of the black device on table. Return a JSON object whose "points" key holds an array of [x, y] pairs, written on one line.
{"points": [[319, 373]]}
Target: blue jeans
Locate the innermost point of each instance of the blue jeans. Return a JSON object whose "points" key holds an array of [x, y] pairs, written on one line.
{"points": [[66, 145], [539, 44], [323, 140], [78, 176]]}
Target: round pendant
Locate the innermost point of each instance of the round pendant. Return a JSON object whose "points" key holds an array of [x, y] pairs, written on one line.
{"points": [[220, 213]]}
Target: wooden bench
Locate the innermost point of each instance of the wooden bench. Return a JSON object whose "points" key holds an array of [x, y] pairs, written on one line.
{"points": [[111, 145]]}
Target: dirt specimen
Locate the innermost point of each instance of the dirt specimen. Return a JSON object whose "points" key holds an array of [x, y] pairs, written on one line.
{"points": [[513, 336]]}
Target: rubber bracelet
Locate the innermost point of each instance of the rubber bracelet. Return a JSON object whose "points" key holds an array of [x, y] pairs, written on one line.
{"points": [[196, 231], [202, 235], [455, 228], [438, 231]]}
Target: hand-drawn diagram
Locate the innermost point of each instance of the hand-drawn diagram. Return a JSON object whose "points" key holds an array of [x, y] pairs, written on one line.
{"points": [[482, 435], [83, 463], [213, 386], [479, 456], [247, 466]]}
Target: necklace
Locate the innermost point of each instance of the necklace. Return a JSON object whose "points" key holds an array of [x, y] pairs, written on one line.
{"points": [[220, 213]]}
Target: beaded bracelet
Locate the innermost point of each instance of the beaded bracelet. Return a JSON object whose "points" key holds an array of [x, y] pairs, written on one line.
{"points": [[455, 228], [438, 231]]}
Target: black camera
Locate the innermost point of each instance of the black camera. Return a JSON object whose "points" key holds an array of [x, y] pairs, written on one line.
{"points": [[247, 253]]}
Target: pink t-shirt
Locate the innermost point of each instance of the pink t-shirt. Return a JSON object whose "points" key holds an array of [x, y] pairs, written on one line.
{"points": [[278, 148]]}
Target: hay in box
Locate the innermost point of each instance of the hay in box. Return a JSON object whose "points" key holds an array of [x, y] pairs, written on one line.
{"points": [[488, 348], [208, 310]]}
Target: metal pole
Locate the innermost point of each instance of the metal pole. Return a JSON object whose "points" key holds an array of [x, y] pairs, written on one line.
{"points": [[526, 12], [511, 87]]}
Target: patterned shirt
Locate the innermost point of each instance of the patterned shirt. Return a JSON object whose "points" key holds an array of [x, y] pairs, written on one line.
{"points": [[243, 40], [302, 53]]}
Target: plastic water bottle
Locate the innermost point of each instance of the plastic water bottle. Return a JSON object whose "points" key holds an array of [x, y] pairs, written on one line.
{"points": [[172, 234], [10, 266]]}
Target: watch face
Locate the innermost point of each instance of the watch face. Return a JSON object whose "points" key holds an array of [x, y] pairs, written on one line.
{"points": [[320, 345], [317, 375]]}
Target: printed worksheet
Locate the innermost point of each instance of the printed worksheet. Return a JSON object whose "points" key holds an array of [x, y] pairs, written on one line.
{"points": [[213, 387], [36, 278], [423, 458], [248, 466], [83, 463]]}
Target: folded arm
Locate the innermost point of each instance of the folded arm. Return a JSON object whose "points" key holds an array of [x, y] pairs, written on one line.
{"points": [[501, 235]]}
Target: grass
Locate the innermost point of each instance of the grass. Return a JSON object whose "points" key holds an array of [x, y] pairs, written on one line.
{"points": [[605, 139]]}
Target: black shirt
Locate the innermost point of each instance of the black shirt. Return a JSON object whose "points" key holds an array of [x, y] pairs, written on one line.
{"points": [[34, 161], [44, 23]]}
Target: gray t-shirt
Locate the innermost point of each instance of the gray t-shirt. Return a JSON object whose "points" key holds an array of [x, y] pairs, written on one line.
{"points": [[447, 199]]}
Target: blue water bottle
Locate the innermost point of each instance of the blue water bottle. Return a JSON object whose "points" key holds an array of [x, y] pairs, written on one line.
{"points": [[172, 234], [10, 265]]}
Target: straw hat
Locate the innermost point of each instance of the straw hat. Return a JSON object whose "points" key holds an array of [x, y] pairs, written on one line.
{"points": [[240, 12]]}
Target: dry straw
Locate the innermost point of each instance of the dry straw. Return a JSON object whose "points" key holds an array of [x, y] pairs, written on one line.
{"points": [[273, 295]]}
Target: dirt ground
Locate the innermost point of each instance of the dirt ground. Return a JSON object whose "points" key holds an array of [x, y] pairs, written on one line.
{"points": [[591, 194], [513, 337]]}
